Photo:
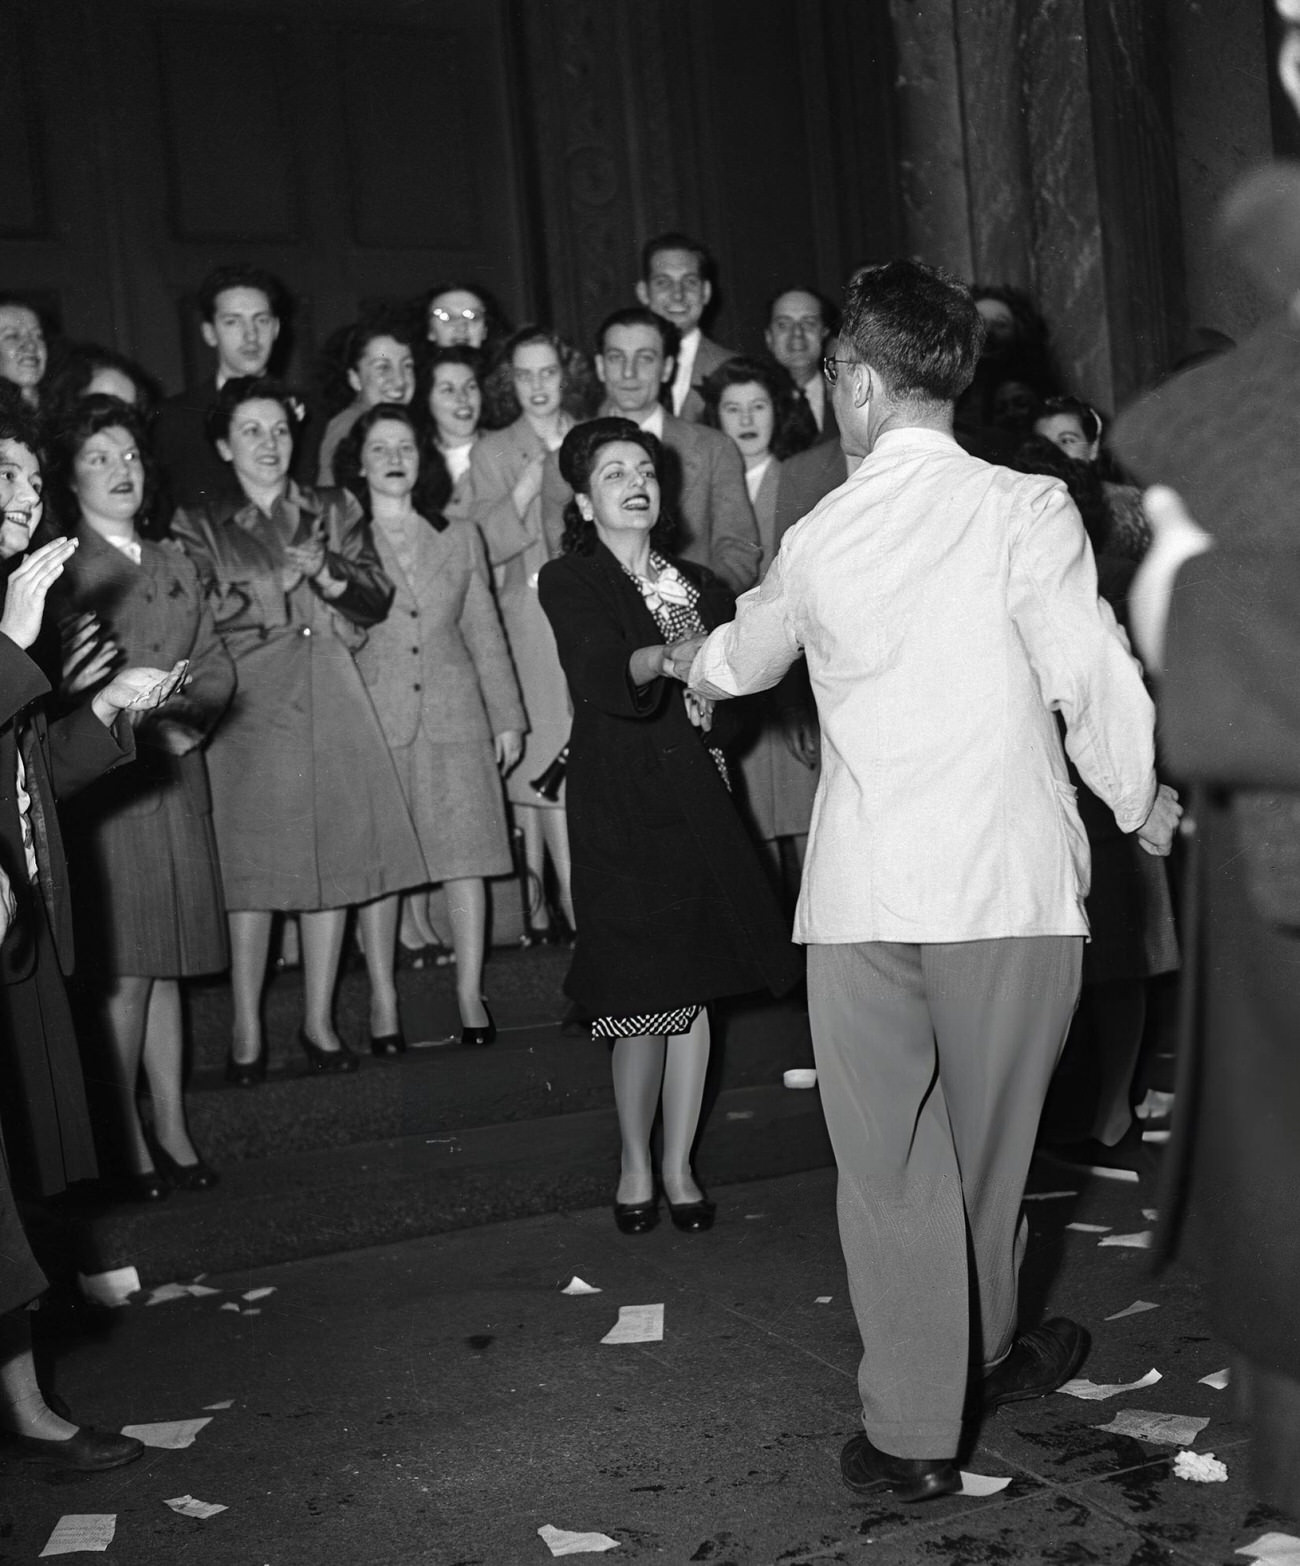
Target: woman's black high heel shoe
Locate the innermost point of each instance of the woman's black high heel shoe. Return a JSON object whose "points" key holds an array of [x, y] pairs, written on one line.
{"points": [[636, 1217], [197, 1176], [247, 1073], [382, 1044], [692, 1217], [477, 1036], [327, 1062]]}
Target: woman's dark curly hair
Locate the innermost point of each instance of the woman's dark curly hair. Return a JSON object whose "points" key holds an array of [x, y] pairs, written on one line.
{"points": [[432, 482], [72, 368], [578, 456], [427, 369], [251, 388], [790, 432], [1040, 455], [83, 421], [580, 390]]}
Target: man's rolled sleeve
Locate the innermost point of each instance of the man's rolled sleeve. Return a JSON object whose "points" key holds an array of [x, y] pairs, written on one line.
{"points": [[1081, 660]]}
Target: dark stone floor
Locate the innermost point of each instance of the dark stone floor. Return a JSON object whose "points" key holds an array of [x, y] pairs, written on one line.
{"points": [[440, 1400]]}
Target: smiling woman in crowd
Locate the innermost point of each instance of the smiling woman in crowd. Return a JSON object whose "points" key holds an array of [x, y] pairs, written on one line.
{"points": [[145, 873], [308, 810], [380, 367], [440, 676], [547, 383]]}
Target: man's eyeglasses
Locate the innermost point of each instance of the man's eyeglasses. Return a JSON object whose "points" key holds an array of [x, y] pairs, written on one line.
{"points": [[831, 368], [448, 316]]}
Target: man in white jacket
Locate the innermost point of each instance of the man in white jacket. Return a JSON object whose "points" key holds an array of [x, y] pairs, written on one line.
{"points": [[948, 611]]}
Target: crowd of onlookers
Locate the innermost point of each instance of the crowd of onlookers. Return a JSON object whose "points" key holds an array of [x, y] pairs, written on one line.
{"points": [[373, 702]]}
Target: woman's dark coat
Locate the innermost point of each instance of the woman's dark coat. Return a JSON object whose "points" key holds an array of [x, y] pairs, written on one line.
{"points": [[46, 1125], [672, 904]]}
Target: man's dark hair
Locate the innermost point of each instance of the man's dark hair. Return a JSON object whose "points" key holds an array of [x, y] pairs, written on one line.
{"points": [[830, 315], [240, 275], [640, 315], [916, 325], [673, 240]]}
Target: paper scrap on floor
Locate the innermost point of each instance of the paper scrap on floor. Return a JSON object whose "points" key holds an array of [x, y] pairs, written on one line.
{"points": [[822, 1299], [1146, 1425], [575, 1285], [1109, 1172], [1141, 1241], [230, 1305], [1151, 1214], [637, 1324], [178, 1291], [81, 1531], [981, 1484], [561, 1542], [1203, 1467], [1135, 1309], [170, 1434], [1047, 1196], [740, 1114], [1090, 1228], [1095, 1391], [1218, 1379], [114, 1287], [217, 1408], [1274, 1549], [1155, 1136], [187, 1506], [258, 1294]]}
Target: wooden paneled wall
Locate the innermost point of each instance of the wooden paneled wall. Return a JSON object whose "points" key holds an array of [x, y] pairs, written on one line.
{"points": [[369, 148]]}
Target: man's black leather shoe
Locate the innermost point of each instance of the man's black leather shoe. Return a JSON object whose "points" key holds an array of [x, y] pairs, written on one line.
{"points": [[1039, 1362], [865, 1469]]}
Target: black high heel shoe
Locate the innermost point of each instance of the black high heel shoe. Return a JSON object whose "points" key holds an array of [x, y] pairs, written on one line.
{"points": [[247, 1073], [197, 1176], [327, 1062], [692, 1217], [382, 1044], [147, 1187], [476, 1036], [636, 1217]]}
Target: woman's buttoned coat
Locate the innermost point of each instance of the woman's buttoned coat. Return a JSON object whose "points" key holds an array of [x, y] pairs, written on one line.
{"points": [[673, 906], [145, 871], [306, 801], [440, 676], [517, 551]]}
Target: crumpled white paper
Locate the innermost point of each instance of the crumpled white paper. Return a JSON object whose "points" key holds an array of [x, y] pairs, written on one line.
{"points": [[1095, 1391], [561, 1542], [187, 1506], [575, 1285], [1204, 1467]]}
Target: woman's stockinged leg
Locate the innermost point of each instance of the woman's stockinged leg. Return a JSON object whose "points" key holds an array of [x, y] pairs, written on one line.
{"points": [[555, 831], [322, 946], [379, 937], [250, 940], [528, 818], [685, 1067], [164, 1062], [638, 1066], [125, 1008], [467, 910]]}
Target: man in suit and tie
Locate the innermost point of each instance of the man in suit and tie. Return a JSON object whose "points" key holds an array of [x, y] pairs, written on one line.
{"points": [[704, 477], [676, 283], [798, 327]]}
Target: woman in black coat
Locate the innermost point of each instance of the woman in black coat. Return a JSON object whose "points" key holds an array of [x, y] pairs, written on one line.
{"points": [[46, 1141], [673, 907]]}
